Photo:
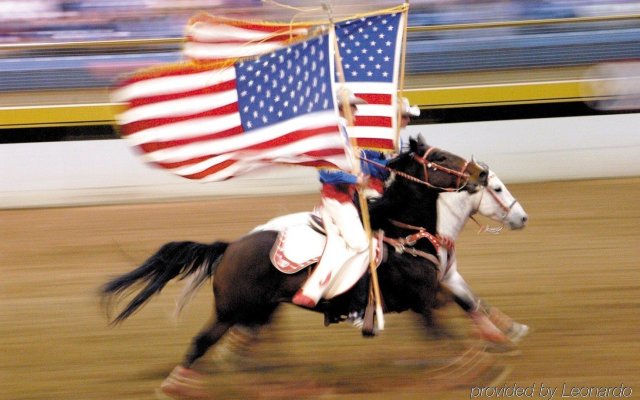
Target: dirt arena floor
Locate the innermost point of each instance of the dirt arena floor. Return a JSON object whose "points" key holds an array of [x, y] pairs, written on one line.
{"points": [[573, 275]]}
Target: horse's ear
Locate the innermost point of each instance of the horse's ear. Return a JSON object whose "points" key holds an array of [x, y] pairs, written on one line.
{"points": [[414, 145]]}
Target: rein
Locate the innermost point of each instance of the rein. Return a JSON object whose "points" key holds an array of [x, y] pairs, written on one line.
{"points": [[428, 165]]}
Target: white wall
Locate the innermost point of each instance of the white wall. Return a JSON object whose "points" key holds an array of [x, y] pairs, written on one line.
{"points": [[546, 149], [107, 171]]}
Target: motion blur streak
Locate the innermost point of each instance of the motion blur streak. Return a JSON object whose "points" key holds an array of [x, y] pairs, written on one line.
{"points": [[571, 275]]}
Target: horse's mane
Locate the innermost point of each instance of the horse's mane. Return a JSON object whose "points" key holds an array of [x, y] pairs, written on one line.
{"points": [[393, 204]]}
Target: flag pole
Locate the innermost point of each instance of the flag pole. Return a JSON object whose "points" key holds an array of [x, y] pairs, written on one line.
{"points": [[403, 53], [355, 161]]}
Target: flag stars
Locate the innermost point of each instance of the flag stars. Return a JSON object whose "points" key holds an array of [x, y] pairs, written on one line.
{"points": [[294, 82], [368, 47]]}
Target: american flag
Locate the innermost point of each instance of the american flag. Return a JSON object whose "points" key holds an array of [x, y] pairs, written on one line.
{"points": [[213, 124], [211, 38], [370, 50]]}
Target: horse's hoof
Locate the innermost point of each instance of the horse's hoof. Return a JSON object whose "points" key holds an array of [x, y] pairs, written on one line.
{"points": [[517, 332], [184, 383], [486, 330]]}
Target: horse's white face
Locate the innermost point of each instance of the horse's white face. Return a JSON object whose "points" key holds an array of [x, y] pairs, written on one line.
{"points": [[497, 203]]}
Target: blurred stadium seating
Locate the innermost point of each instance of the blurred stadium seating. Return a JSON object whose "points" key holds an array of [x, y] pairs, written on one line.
{"points": [[65, 55]]}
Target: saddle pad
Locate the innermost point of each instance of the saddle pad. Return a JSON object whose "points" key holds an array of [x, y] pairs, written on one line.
{"points": [[296, 248]]}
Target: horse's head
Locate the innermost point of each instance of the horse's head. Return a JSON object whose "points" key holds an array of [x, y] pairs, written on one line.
{"points": [[438, 169], [497, 203]]}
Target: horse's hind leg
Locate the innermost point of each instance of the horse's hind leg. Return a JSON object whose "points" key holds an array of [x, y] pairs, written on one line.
{"points": [[207, 337]]}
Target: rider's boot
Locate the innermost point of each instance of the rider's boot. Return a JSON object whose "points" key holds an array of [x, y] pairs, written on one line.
{"points": [[358, 301]]}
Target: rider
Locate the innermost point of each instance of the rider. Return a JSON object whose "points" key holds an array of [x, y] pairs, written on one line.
{"points": [[373, 161], [347, 246], [375, 188]]}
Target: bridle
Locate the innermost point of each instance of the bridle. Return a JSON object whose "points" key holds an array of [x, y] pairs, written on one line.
{"points": [[505, 208], [461, 181], [435, 166]]}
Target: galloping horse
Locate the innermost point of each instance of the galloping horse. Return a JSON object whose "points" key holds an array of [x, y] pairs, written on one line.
{"points": [[248, 289], [454, 210]]}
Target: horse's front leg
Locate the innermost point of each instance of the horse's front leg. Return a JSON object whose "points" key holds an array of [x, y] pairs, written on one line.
{"points": [[429, 300]]}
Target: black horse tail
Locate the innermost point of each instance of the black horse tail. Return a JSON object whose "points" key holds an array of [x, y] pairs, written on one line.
{"points": [[172, 260]]}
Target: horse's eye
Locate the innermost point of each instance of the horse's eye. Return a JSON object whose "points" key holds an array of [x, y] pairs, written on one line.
{"points": [[439, 158], [497, 189]]}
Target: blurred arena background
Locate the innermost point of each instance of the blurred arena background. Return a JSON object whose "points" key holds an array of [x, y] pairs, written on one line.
{"points": [[546, 91]]}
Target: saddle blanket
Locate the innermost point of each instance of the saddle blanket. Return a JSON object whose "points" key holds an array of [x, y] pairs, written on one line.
{"points": [[296, 248], [301, 242]]}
